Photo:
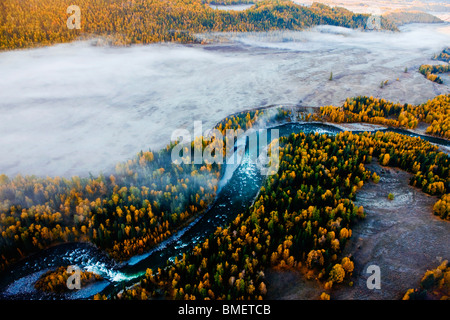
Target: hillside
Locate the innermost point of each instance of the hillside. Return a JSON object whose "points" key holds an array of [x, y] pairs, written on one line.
{"points": [[33, 23]]}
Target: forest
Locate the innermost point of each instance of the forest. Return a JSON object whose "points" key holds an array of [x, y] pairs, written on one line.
{"points": [[302, 218], [126, 213], [434, 112], [31, 23], [303, 215]]}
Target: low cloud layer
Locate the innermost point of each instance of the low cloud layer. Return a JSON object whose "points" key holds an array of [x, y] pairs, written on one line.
{"points": [[78, 108]]}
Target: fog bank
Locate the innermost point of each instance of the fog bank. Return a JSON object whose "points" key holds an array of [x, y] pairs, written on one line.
{"points": [[77, 108]]}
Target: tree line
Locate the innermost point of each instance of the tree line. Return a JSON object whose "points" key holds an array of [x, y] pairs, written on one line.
{"points": [[55, 281], [30, 23], [380, 111], [431, 71], [302, 217]]}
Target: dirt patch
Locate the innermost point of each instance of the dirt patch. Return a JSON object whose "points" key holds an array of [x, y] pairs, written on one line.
{"points": [[291, 285], [401, 236], [359, 126]]}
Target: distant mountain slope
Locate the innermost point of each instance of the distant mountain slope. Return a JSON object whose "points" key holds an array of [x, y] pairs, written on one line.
{"points": [[403, 17]]}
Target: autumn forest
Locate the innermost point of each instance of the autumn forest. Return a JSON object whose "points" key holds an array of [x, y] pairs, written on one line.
{"points": [[35, 23], [151, 228]]}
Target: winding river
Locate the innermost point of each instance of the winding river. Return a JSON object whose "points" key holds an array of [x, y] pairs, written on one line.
{"points": [[237, 190]]}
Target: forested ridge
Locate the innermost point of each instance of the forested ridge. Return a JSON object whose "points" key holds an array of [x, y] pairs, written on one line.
{"points": [[30, 23]]}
